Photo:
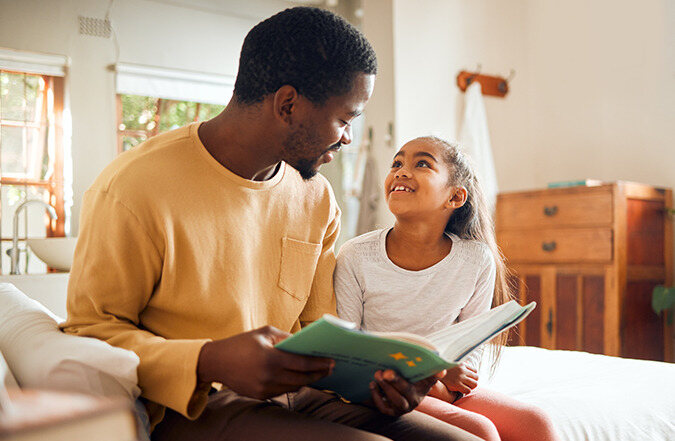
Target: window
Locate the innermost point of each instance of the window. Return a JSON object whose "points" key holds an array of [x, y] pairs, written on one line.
{"points": [[141, 117], [152, 100], [31, 158]]}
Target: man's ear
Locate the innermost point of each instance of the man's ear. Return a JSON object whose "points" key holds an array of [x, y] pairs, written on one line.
{"points": [[457, 198], [285, 103]]}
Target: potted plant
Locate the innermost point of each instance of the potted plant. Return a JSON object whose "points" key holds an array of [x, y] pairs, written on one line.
{"points": [[663, 299]]}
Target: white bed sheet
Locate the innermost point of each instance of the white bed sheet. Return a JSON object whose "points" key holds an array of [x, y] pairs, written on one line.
{"points": [[588, 396]]}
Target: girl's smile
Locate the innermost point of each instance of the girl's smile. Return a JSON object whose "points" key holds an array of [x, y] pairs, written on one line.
{"points": [[398, 188]]}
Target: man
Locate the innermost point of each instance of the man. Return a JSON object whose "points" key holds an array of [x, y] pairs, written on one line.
{"points": [[205, 246]]}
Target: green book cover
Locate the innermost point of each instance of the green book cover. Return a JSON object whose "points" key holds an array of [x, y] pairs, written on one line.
{"points": [[358, 355]]}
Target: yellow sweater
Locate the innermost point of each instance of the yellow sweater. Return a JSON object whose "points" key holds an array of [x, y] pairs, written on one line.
{"points": [[175, 250]]}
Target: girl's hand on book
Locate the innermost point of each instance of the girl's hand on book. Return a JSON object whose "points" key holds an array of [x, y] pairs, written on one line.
{"points": [[249, 364], [461, 378], [393, 395], [441, 392]]}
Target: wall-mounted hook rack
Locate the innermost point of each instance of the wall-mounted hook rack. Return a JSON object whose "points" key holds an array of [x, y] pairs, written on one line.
{"points": [[491, 85]]}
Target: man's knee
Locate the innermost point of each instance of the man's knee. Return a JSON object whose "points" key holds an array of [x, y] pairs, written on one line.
{"points": [[417, 425], [344, 433]]}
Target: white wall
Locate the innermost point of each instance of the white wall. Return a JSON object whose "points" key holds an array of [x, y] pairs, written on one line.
{"points": [[419, 57], [602, 77], [421, 46], [593, 96], [593, 91], [199, 35], [434, 40]]}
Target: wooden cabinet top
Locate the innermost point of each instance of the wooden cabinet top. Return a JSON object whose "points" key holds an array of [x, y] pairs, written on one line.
{"points": [[633, 190]]}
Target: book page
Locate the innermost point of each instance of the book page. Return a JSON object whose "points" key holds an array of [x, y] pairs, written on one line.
{"points": [[458, 340], [407, 337], [400, 336]]}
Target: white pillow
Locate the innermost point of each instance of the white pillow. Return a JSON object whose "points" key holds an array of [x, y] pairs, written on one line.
{"points": [[41, 356], [7, 380]]}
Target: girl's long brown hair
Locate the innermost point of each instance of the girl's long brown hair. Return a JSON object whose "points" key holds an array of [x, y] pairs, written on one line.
{"points": [[473, 221]]}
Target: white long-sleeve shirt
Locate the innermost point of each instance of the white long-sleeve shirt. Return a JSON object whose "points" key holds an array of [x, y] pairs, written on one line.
{"points": [[378, 295]]}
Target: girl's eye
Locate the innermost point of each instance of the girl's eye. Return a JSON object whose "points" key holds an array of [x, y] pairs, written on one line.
{"points": [[396, 164], [423, 164], [344, 123]]}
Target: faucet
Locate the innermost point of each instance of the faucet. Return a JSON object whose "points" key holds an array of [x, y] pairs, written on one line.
{"points": [[15, 230]]}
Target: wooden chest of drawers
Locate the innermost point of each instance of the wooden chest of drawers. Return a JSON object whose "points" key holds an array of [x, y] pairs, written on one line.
{"points": [[590, 257]]}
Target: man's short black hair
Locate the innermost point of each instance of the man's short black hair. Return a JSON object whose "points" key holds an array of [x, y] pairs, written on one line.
{"points": [[311, 49]]}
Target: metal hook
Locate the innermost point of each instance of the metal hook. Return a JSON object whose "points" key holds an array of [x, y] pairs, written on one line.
{"points": [[470, 79]]}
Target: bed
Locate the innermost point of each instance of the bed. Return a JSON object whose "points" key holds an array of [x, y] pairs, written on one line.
{"points": [[589, 396]]}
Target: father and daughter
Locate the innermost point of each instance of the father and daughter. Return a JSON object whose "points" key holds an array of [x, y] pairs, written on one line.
{"points": [[223, 245]]}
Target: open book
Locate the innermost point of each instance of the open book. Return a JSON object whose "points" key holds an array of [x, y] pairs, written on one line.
{"points": [[358, 354]]}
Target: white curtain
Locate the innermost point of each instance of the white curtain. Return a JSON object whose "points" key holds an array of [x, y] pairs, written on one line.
{"points": [[173, 84], [370, 197], [33, 62], [475, 141]]}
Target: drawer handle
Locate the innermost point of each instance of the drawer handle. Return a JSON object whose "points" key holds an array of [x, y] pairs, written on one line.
{"points": [[551, 211], [549, 323], [549, 246]]}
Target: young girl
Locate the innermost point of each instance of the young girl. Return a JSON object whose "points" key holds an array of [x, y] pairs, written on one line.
{"points": [[438, 265]]}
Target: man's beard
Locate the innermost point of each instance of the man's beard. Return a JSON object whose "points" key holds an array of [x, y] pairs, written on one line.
{"points": [[297, 146], [306, 167]]}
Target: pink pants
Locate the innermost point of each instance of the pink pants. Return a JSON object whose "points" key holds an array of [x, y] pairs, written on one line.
{"points": [[492, 416]]}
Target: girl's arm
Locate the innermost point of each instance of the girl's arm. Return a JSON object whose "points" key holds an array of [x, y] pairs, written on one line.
{"points": [[480, 301], [440, 391], [348, 292]]}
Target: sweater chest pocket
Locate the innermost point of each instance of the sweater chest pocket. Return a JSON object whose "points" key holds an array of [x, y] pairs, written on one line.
{"points": [[298, 264]]}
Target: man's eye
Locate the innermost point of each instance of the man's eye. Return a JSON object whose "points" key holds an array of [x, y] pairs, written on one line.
{"points": [[344, 123], [396, 164], [423, 164]]}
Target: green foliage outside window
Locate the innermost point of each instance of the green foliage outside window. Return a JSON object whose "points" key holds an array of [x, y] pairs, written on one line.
{"points": [[23, 126], [143, 117], [138, 112], [18, 96]]}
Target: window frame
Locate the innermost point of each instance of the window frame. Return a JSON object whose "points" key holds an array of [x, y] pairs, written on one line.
{"points": [[53, 121]]}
